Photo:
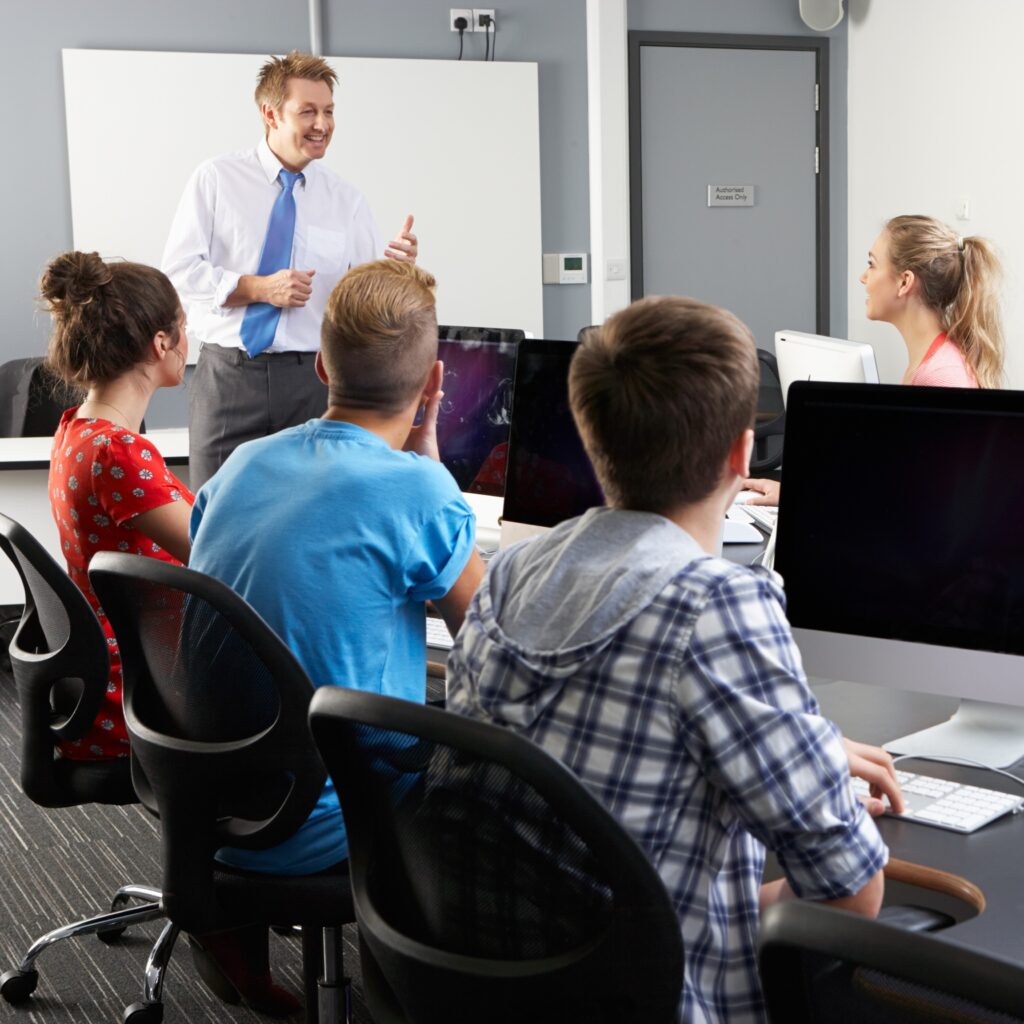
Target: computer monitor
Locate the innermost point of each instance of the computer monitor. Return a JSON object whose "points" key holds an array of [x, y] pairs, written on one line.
{"points": [[815, 357], [550, 477], [473, 422], [901, 548], [451, 332]]}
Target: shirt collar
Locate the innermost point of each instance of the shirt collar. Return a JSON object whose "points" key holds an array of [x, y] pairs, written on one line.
{"points": [[272, 167]]}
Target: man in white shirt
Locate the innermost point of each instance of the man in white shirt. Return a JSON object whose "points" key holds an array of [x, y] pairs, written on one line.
{"points": [[214, 253]]}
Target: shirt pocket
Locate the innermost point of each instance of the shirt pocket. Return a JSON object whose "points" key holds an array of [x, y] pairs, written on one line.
{"points": [[326, 251]]}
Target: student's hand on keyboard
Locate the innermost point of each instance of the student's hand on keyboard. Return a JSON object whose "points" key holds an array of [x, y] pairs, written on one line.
{"points": [[874, 766], [766, 492]]}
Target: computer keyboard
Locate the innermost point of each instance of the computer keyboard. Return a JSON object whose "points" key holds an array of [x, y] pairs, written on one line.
{"points": [[764, 515], [948, 805], [437, 633]]}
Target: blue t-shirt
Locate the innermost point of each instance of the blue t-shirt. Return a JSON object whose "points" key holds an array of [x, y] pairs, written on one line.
{"points": [[337, 540]]}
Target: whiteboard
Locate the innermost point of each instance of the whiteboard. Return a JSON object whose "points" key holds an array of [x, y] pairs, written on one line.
{"points": [[456, 143]]}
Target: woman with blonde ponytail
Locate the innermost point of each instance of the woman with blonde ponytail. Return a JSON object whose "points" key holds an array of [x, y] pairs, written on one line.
{"points": [[940, 291]]}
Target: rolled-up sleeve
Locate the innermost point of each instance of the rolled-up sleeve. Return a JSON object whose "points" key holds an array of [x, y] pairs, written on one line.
{"points": [[187, 256], [779, 764]]}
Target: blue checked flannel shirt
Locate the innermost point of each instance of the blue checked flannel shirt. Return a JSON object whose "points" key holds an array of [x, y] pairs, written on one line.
{"points": [[695, 726]]}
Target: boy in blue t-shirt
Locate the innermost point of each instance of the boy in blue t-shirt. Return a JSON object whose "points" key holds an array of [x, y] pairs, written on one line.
{"points": [[337, 531]]}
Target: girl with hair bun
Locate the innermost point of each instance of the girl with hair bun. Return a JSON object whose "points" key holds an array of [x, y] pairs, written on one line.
{"points": [[941, 292], [118, 334]]}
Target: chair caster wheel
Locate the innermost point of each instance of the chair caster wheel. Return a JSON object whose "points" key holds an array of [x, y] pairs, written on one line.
{"points": [[17, 986], [111, 935], [143, 1013]]}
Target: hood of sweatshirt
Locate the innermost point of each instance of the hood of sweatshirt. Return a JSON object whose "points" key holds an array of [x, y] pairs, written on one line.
{"points": [[551, 605]]}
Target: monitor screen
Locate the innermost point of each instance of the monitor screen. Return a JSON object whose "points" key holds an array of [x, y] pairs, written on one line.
{"points": [[815, 357], [899, 537], [473, 423], [453, 332], [550, 477]]}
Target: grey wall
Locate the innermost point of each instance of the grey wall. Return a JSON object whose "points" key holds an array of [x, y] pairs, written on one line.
{"points": [[780, 18], [34, 204]]}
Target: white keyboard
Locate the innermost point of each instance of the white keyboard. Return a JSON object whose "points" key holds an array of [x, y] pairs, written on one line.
{"points": [[764, 515], [437, 634], [948, 805]]}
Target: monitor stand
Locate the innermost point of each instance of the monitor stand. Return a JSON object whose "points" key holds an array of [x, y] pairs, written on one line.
{"points": [[991, 734]]}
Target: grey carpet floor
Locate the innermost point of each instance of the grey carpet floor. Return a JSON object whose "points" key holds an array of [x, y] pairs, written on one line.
{"points": [[60, 866]]}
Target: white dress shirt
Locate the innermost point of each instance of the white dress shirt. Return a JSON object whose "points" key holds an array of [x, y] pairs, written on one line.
{"points": [[218, 232]]}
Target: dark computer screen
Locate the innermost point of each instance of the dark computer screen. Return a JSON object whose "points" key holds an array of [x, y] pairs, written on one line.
{"points": [[900, 514], [473, 423], [550, 477], [451, 332]]}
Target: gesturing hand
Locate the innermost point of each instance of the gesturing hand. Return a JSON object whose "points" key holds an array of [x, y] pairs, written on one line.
{"points": [[404, 246], [288, 287]]}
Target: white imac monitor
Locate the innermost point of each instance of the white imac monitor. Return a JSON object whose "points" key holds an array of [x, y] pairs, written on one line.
{"points": [[815, 357], [901, 548]]}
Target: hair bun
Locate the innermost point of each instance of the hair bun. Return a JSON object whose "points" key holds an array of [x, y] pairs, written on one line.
{"points": [[73, 278]]}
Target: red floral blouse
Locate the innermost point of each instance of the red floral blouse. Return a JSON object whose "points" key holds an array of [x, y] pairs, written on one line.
{"points": [[101, 477]]}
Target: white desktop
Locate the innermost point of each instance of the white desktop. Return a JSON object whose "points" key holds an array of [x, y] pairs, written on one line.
{"points": [[815, 357], [902, 554]]}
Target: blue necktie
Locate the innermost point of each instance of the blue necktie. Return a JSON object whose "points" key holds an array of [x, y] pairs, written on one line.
{"points": [[260, 321]]}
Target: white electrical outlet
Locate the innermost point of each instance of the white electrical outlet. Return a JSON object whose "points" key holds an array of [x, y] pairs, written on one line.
{"points": [[461, 12], [478, 12]]}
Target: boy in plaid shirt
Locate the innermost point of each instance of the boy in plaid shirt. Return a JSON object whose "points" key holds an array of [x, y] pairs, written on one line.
{"points": [[666, 677]]}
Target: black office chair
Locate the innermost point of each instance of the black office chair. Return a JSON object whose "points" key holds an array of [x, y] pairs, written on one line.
{"points": [[216, 709], [819, 964], [60, 664], [31, 400], [770, 424], [489, 884]]}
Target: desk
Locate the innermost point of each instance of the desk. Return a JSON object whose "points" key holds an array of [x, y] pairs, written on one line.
{"points": [[992, 858], [24, 465]]}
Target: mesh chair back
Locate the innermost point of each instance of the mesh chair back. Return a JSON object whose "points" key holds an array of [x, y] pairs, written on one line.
{"points": [[216, 707], [488, 883], [32, 400], [770, 425], [822, 964], [61, 668]]}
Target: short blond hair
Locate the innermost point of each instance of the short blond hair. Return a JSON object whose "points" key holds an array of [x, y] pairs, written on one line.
{"points": [[378, 340], [660, 392], [272, 81]]}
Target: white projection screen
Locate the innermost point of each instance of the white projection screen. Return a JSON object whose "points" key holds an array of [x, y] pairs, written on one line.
{"points": [[456, 143]]}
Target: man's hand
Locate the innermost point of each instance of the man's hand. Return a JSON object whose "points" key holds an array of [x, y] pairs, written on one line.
{"points": [[287, 287], [767, 491], [875, 766], [404, 246], [423, 439]]}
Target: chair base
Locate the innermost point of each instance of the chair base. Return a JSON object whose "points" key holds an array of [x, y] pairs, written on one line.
{"points": [[17, 985]]}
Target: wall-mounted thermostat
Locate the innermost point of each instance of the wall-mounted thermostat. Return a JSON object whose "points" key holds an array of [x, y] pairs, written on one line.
{"points": [[565, 268]]}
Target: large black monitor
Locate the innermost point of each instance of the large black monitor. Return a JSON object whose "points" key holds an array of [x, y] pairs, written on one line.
{"points": [[550, 477], [473, 423], [901, 548]]}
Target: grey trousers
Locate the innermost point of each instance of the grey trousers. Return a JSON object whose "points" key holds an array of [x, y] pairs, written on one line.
{"points": [[234, 398]]}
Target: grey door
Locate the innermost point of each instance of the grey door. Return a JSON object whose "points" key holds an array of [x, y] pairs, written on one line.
{"points": [[719, 116]]}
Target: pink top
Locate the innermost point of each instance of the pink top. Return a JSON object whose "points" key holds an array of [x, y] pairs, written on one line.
{"points": [[943, 366]]}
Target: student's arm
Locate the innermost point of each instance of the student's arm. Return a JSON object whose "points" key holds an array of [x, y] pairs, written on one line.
{"points": [[866, 901], [453, 605], [749, 719], [168, 527]]}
